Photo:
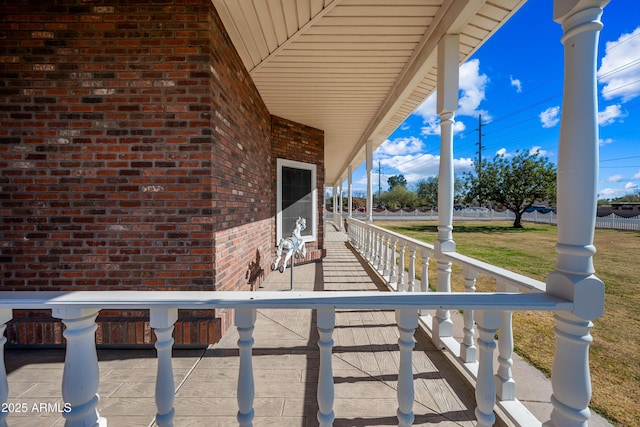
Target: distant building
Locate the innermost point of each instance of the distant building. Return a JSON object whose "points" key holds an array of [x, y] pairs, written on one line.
{"points": [[625, 209]]}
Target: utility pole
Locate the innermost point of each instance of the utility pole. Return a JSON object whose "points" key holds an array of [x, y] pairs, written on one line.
{"points": [[479, 167]]}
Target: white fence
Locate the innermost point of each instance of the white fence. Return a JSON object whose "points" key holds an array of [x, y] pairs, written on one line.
{"points": [[618, 222], [611, 221]]}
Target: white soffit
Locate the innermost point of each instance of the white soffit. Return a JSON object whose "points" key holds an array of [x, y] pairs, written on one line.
{"points": [[352, 68]]}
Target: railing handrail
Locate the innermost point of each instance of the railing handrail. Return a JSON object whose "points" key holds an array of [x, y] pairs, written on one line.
{"points": [[411, 241], [520, 281], [283, 300], [509, 277], [385, 251]]}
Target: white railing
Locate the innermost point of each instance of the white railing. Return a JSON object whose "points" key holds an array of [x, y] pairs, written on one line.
{"points": [[336, 217], [78, 311], [385, 251]]}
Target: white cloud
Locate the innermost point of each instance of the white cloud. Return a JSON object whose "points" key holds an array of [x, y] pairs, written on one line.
{"points": [[539, 150], [620, 68], [637, 176], [427, 109], [503, 152], [615, 178], [611, 193], [416, 167], [602, 142], [630, 186], [610, 115], [550, 117], [433, 127], [458, 127], [405, 156], [472, 87], [399, 146], [516, 83]]}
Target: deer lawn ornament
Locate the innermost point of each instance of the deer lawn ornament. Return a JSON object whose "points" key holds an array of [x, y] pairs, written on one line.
{"points": [[293, 245]]}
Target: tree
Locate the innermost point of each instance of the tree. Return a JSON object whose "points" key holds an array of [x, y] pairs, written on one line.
{"points": [[514, 182], [396, 180], [398, 197], [427, 191], [631, 197]]}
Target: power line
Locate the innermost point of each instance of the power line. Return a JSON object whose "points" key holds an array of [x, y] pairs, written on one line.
{"points": [[526, 109], [620, 158], [621, 68], [622, 43]]}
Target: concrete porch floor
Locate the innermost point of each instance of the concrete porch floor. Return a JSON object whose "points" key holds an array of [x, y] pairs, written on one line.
{"points": [[285, 363]]}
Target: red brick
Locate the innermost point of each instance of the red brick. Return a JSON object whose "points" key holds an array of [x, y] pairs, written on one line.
{"points": [[137, 148]]}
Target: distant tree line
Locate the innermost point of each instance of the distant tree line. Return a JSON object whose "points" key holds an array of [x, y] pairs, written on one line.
{"points": [[515, 182], [633, 197]]}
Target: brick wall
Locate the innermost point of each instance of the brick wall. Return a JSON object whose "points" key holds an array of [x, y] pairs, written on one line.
{"points": [[133, 147], [294, 141]]}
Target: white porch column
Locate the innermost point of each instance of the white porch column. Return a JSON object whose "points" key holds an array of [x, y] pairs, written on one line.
{"points": [[340, 199], [447, 104], [350, 190], [339, 209], [80, 377], [335, 199], [5, 315], [369, 167], [574, 277]]}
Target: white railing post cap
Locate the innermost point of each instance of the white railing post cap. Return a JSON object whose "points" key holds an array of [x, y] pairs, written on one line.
{"points": [[162, 317], [489, 319], [587, 293]]}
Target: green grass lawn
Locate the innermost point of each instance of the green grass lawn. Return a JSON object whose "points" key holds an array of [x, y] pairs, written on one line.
{"points": [[614, 360]]}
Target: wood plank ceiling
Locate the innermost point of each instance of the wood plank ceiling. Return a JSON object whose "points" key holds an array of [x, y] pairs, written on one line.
{"points": [[353, 68]]}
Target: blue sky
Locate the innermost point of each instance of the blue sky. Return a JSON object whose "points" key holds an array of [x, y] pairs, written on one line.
{"points": [[515, 82]]}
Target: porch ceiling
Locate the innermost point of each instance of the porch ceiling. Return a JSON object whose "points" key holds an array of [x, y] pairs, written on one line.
{"points": [[353, 68]]}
